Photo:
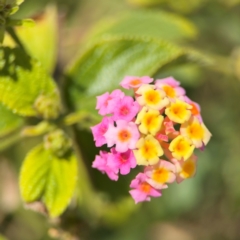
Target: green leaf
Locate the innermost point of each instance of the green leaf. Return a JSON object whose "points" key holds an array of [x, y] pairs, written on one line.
{"points": [[13, 10], [60, 184], [23, 81], [8, 121], [48, 178], [41, 40], [34, 174], [145, 3], [15, 2], [179, 6], [143, 23], [20, 22], [103, 66]]}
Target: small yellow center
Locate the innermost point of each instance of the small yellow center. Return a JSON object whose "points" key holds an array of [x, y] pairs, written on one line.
{"points": [[170, 92], [182, 146], [145, 187], [160, 175], [124, 135], [149, 150], [196, 131], [188, 169], [152, 97], [135, 82], [151, 120], [178, 109]]}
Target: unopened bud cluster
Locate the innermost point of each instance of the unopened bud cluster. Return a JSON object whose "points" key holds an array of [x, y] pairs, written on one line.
{"points": [[158, 129]]}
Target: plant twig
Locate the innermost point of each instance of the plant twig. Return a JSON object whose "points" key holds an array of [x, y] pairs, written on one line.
{"points": [[15, 37]]}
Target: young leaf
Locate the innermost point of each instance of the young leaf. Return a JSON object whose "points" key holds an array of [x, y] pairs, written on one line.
{"points": [[8, 121], [34, 174], [103, 66], [61, 184], [143, 23], [48, 178], [23, 83]]}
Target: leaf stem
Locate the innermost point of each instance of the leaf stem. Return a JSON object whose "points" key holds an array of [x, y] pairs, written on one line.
{"points": [[15, 37], [80, 117]]}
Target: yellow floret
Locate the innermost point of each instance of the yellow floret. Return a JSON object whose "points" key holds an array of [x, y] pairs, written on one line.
{"points": [[179, 111], [196, 131], [148, 152], [181, 148], [151, 97], [150, 121]]}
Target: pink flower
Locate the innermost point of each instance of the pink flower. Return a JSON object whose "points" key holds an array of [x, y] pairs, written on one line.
{"points": [[107, 102], [158, 120], [161, 137], [100, 129], [135, 82], [125, 135], [169, 81], [170, 87], [169, 128], [100, 163], [125, 109], [142, 190], [122, 161]]}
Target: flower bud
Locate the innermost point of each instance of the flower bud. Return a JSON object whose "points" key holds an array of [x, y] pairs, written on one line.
{"points": [[47, 107], [57, 142]]}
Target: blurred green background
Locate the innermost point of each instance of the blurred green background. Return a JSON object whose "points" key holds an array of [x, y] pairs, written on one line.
{"points": [[205, 207]]}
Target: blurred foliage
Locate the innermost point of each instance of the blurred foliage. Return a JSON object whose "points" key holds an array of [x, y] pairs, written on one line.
{"points": [[107, 59], [7, 9], [2, 238], [151, 24], [34, 38], [9, 121], [111, 39]]}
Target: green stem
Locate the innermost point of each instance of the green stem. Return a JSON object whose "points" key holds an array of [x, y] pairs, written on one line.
{"points": [[81, 117], [14, 36], [10, 140]]}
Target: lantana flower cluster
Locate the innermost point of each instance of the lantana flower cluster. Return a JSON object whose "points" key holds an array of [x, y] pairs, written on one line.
{"points": [[158, 129]]}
